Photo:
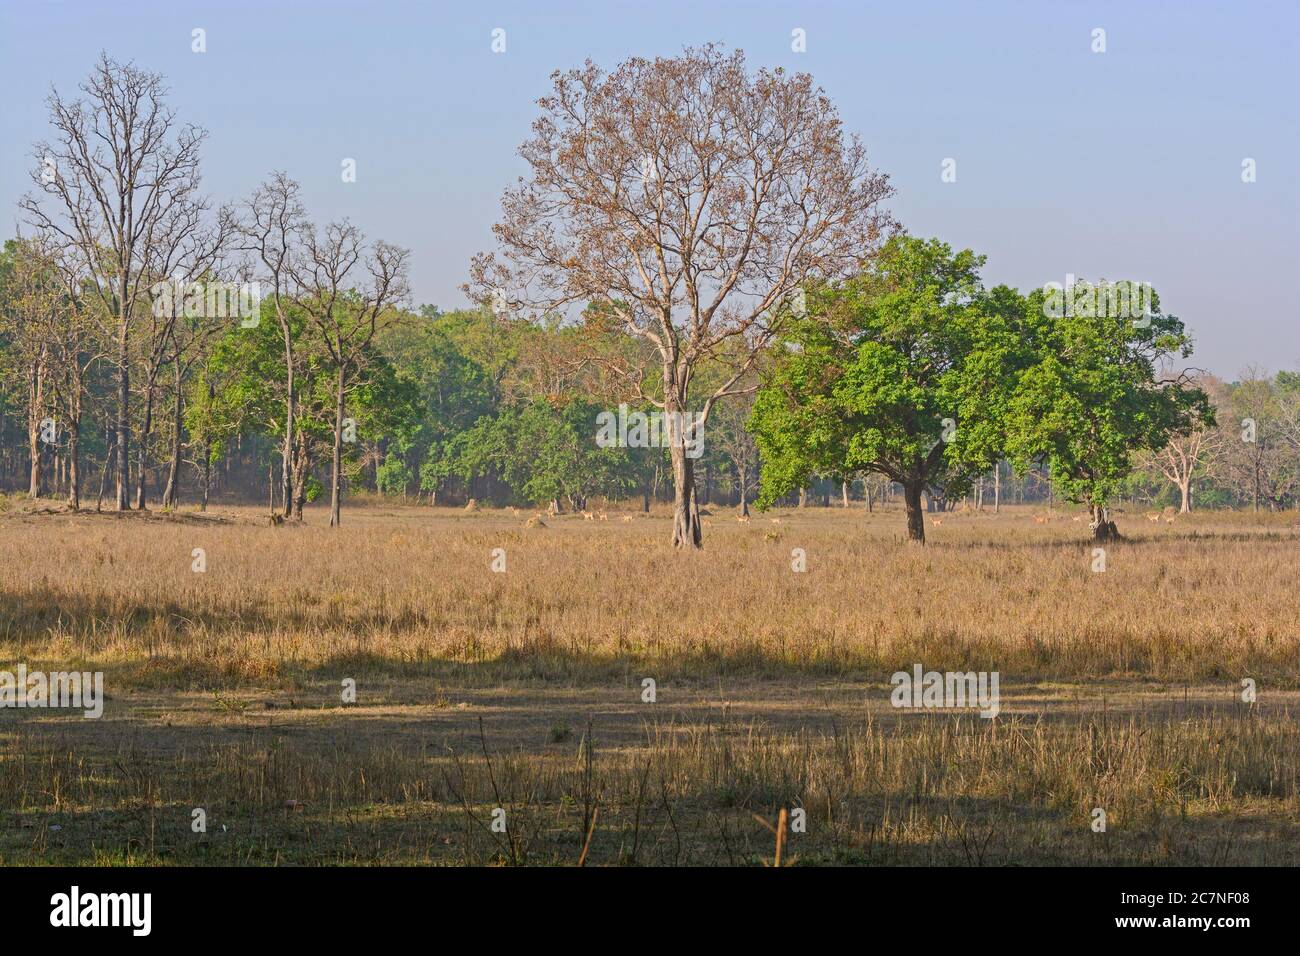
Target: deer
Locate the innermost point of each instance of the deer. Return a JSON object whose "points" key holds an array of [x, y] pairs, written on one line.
{"points": [[743, 519], [603, 516], [936, 521], [588, 516], [626, 518], [1153, 517]]}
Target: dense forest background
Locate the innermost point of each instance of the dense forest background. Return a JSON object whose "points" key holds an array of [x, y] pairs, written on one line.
{"points": [[462, 405]]}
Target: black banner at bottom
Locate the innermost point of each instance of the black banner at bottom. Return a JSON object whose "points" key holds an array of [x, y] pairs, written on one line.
{"points": [[143, 906]]}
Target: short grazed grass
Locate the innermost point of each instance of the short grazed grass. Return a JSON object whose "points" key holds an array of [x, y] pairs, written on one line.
{"points": [[522, 690]]}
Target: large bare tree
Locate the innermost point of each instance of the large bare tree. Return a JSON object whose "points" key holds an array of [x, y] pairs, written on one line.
{"points": [[690, 198], [119, 186]]}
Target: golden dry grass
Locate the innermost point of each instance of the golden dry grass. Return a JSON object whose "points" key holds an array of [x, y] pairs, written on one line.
{"points": [[480, 690], [411, 591]]}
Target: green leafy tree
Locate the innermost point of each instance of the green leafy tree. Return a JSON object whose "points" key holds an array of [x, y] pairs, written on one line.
{"points": [[1098, 392], [902, 371]]}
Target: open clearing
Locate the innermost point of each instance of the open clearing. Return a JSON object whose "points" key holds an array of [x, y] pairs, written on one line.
{"points": [[522, 690]]}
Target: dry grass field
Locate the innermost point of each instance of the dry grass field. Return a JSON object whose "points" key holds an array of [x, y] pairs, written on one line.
{"points": [[522, 690]]}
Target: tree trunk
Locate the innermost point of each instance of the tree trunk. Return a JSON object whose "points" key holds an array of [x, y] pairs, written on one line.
{"points": [[35, 402], [141, 479], [301, 469], [171, 491], [997, 487], [74, 451], [744, 504], [123, 429], [103, 473], [207, 475], [844, 488], [34, 451], [915, 515], [1185, 489], [336, 471], [287, 464], [687, 531]]}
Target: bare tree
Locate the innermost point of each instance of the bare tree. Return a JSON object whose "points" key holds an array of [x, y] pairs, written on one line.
{"points": [[271, 227], [119, 186], [1187, 454], [734, 440], [345, 318], [690, 199]]}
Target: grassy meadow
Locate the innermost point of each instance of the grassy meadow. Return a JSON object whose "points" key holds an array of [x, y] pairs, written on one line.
{"points": [[522, 690]]}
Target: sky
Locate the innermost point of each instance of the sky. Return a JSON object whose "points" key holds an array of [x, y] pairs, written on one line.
{"points": [[1122, 164]]}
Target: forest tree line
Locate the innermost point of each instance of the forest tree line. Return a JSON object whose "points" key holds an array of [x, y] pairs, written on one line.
{"points": [[757, 284]]}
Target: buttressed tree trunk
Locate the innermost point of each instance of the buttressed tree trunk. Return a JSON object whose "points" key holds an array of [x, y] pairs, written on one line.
{"points": [[686, 513]]}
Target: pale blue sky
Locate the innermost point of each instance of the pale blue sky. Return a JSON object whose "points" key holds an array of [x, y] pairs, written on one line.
{"points": [[1125, 164]]}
